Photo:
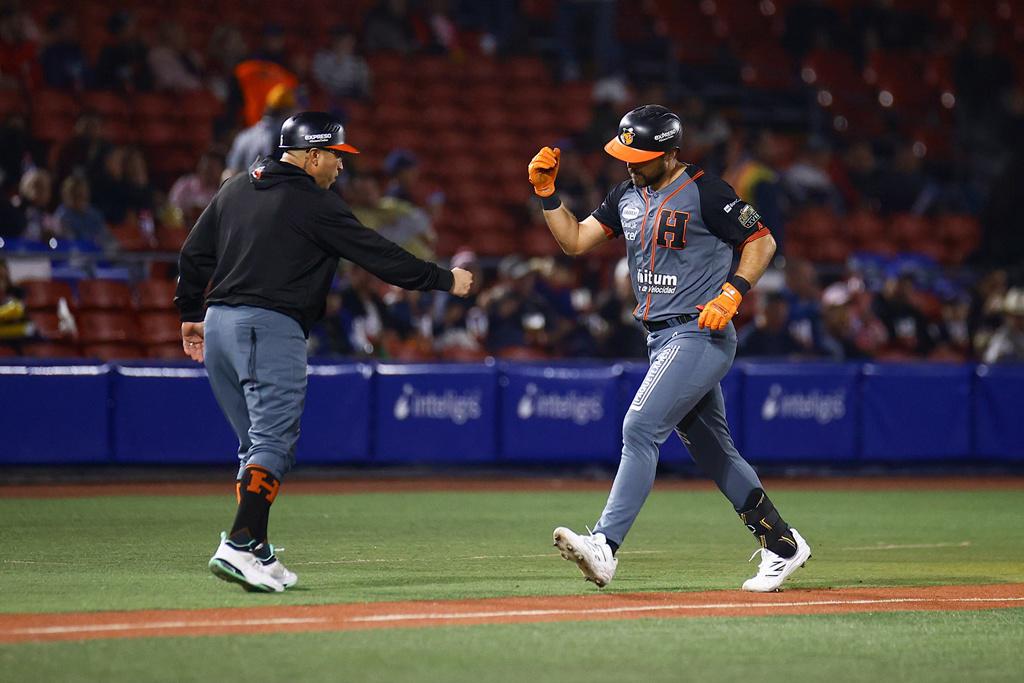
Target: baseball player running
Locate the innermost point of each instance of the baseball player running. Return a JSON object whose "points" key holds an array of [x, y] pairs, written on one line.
{"points": [[266, 250], [681, 226]]}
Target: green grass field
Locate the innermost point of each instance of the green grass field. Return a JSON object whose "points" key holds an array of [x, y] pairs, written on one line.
{"points": [[123, 553]]}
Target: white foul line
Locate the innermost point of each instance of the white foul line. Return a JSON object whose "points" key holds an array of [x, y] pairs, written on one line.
{"points": [[456, 616], [452, 616], [155, 625], [915, 546]]}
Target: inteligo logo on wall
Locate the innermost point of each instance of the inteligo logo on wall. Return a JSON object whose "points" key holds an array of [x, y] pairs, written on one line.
{"points": [[813, 405], [459, 407], [580, 408]]}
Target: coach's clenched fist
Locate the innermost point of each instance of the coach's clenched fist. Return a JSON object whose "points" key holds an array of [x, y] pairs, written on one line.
{"points": [[463, 282]]}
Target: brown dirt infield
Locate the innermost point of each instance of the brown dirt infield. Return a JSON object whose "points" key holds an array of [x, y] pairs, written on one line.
{"points": [[16, 628], [421, 484]]}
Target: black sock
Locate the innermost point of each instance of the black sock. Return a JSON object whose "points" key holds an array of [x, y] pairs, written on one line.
{"points": [[767, 525], [613, 545], [257, 490]]}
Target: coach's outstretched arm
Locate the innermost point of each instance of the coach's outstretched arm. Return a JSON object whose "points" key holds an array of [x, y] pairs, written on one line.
{"points": [[573, 236]]}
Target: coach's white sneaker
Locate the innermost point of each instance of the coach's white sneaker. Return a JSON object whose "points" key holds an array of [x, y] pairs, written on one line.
{"points": [[242, 567], [591, 553], [774, 569], [284, 576]]}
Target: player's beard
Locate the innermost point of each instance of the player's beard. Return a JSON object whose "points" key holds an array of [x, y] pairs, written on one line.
{"points": [[646, 177]]}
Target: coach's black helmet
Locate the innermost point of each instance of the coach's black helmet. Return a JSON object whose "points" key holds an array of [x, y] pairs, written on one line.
{"points": [[646, 133], [309, 129]]}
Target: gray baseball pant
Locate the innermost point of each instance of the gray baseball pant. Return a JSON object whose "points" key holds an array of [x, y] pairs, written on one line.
{"points": [[256, 361], [681, 392]]}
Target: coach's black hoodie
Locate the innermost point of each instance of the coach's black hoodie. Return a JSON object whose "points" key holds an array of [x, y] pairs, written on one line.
{"points": [[272, 239]]}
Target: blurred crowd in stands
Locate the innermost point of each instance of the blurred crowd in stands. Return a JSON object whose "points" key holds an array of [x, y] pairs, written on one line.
{"points": [[882, 141]]}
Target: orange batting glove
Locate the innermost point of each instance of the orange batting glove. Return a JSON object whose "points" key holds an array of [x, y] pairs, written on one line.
{"points": [[717, 313], [543, 171]]}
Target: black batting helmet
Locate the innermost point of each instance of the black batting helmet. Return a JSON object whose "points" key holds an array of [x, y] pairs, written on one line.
{"points": [[645, 133], [309, 129]]}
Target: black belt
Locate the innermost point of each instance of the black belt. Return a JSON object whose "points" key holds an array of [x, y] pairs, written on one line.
{"points": [[656, 325]]}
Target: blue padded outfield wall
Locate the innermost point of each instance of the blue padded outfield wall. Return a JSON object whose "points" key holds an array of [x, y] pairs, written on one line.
{"points": [[507, 414]]}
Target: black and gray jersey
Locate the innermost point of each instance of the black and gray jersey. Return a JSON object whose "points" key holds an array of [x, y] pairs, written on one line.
{"points": [[679, 240]]}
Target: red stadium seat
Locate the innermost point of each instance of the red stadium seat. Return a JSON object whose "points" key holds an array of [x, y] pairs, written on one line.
{"points": [[130, 238], [108, 104], [813, 223], [52, 126], [388, 67], [487, 242], [489, 94], [482, 71], [490, 118], [527, 69], [12, 101], [430, 69], [42, 295], [50, 350], [398, 115], [463, 355], [958, 229], [173, 163], [864, 228], [440, 116], [830, 250], [106, 327], [47, 325], [910, 231], [7, 351], [900, 75], [104, 295], [156, 133], [159, 328], [520, 353], [111, 352], [170, 239], [155, 295], [121, 132], [201, 105], [836, 72], [154, 107], [50, 102], [166, 351]]}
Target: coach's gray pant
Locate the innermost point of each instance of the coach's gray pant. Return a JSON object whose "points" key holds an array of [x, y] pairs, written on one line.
{"points": [[256, 360], [682, 392]]}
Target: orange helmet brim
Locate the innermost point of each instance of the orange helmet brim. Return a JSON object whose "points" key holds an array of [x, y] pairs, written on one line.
{"points": [[630, 154]]}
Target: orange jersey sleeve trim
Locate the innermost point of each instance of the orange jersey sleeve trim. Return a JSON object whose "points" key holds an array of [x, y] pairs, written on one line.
{"points": [[609, 233], [756, 236]]}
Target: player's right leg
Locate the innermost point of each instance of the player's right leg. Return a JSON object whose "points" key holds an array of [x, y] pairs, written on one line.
{"points": [[705, 432], [687, 362], [244, 555]]}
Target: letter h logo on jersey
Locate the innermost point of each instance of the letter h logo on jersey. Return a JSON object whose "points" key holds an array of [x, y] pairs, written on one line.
{"points": [[671, 232]]}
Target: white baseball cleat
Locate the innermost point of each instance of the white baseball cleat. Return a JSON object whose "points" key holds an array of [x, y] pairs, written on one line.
{"points": [[284, 576], [591, 553], [242, 567], [774, 569]]}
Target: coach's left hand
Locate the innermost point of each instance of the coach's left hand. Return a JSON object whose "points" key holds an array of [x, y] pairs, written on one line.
{"points": [[717, 313], [192, 340]]}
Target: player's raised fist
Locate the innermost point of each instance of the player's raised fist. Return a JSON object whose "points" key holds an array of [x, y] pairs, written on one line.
{"points": [[462, 283], [543, 171], [717, 313]]}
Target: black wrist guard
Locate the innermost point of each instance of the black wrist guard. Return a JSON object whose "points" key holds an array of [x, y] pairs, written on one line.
{"points": [[741, 284], [551, 202]]}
